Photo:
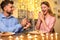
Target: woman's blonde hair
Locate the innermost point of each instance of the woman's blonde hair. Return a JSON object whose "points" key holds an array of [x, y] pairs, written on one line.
{"points": [[48, 5]]}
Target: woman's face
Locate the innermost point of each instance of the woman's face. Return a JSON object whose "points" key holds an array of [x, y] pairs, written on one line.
{"points": [[44, 8]]}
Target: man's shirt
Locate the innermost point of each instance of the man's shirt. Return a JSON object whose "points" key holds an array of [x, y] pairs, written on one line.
{"points": [[9, 24]]}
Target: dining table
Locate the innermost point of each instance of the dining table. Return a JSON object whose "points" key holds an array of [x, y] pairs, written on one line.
{"points": [[31, 36]]}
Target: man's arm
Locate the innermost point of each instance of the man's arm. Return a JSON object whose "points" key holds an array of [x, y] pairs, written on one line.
{"points": [[21, 26]]}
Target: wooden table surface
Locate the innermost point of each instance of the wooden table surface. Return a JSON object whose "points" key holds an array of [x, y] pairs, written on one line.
{"points": [[23, 36]]}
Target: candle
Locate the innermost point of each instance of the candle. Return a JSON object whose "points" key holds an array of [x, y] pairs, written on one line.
{"points": [[42, 34], [10, 37], [51, 36], [56, 36], [35, 36], [42, 37], [28, 34], [30, 37], [47, 36], [21, 37], [17, 38]]}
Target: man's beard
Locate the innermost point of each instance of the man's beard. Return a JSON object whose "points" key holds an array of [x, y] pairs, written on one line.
{"points": [[9, 13]]}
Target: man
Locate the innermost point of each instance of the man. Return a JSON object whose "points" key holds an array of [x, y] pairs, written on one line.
{"points": [[7, 22]]}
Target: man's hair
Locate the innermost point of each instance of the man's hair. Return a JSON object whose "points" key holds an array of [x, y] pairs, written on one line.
{"points": [[5, 2]]}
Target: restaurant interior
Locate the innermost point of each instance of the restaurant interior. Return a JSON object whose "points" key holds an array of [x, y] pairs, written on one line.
{"points": [[29, 9]]}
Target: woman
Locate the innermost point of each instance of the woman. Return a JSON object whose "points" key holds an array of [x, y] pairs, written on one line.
{"points": [[46, 19]]}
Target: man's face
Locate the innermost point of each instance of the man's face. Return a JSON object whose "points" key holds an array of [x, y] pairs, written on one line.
{"points": [[9, 8]]}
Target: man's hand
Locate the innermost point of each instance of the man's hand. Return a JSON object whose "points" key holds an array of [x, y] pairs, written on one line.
{"points": [[24, 22], [27, 25]]}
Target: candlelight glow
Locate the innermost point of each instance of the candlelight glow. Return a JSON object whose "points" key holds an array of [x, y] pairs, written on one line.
{"points": [[21, 36], [17, 38], [10, 37]]}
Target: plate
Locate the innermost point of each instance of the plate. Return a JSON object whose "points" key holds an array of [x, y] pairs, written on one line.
{"points": [[34, 32], [6, 34]]}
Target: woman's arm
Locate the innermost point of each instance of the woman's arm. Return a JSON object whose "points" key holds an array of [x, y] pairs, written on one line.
{"points": [[37, 27]]}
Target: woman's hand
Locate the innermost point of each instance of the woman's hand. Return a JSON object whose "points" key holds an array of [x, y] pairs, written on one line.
{"points": [[41, 16]]}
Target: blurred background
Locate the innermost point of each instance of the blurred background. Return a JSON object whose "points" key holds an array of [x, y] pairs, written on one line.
{"points": [[30, 9]]}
